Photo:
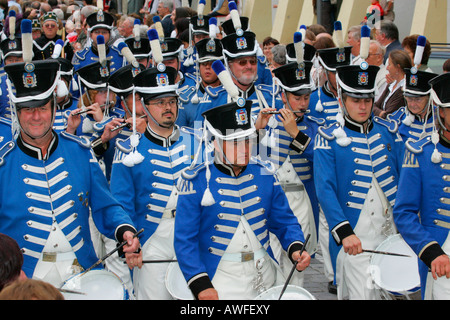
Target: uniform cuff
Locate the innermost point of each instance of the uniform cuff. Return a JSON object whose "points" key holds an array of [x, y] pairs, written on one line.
{"points": [[199, 283]]}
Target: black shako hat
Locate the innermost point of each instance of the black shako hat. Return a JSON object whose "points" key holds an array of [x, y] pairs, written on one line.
{"points": [[294, 77], [417, 82], [440, 89], [100, 19], [331, 58], [308, 51], [11, 47], [94, 75], [228, 26], [209, 50], [357, 81], [140, 48], [235, 46], [230, 121], [200, 25], [121, 81], [34, 82], [152, 83]]}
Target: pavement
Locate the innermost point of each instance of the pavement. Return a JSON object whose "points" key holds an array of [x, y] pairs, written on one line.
{"points": [[315, 281]]}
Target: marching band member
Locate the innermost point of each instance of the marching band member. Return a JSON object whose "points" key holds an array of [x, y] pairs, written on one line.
{"points": [[422, 204], [324, 101], [58, 180], [99, 23], [415, 120], [64, 100], [194, 88], [356, 169], [240, 56], [291, 144], [145, 170], [225, 212]]}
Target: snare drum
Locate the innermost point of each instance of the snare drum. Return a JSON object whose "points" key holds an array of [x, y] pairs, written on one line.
{"points": [[176, 283], [292, 293], [95, 285], [392, 274]]}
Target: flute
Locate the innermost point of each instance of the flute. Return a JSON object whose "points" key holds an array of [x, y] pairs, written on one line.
{"points": [[278, 112], [123, 125], [86, 110]]}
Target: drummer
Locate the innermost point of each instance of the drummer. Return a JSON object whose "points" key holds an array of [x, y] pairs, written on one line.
{"points": [[145, 170], [57, 180], [423, 187], [356, 167], [225, 212]]}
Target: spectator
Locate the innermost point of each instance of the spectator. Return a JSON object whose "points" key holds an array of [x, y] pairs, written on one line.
{"points": [[446, 66], [354, 40], [388, 8], [31, 289], [268, 44], [372, 10], [165, 8], [11, 261], [409, 44], [278, 54], [388, 36], [375, 58], [392, 97]]}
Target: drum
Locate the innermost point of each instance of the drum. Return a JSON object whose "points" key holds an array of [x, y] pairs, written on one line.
{"points": [[176, 283], [95, 285], [393, 274], [292, 293]]}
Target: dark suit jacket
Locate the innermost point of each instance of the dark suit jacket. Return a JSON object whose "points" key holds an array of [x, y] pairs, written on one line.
{"points": [[167, 25], [390, 47]]}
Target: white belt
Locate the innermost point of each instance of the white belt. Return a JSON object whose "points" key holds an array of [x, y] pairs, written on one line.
{"points": [[244, 256], [57, 256]]}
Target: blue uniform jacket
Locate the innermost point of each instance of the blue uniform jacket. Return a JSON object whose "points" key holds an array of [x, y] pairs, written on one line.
{"points": [[424, 189], [145, 188], [343, 174], [202, 234], [67, 186]]}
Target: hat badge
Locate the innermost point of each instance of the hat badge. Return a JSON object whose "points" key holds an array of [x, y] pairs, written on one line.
{"points": [[104, 72], [162, 80], [211, 46], [29, 78], [241, 43], [12, 45], [413, 80], [241, 117], [300, 72], [363, 78], [100, 16]]}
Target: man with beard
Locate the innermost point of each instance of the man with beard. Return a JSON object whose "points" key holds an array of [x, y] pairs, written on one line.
{"points": [[145, 171]]}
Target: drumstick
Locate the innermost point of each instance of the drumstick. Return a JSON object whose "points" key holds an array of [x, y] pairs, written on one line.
{"points": [[71, 291], [110, 253], [386, 253], [156, 261], [293, 268]]}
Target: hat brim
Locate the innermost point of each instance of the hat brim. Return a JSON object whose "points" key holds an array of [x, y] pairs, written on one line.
{"points": [[33, 103]]}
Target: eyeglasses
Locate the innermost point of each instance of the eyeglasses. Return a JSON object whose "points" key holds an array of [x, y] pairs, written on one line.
{"points": [[161, 103], [50, 25], [243, 62]]}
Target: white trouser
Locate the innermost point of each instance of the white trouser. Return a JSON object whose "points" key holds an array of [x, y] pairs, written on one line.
{"points": [[353, 272], [438, 289], [245, 280], [149, 281]]}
